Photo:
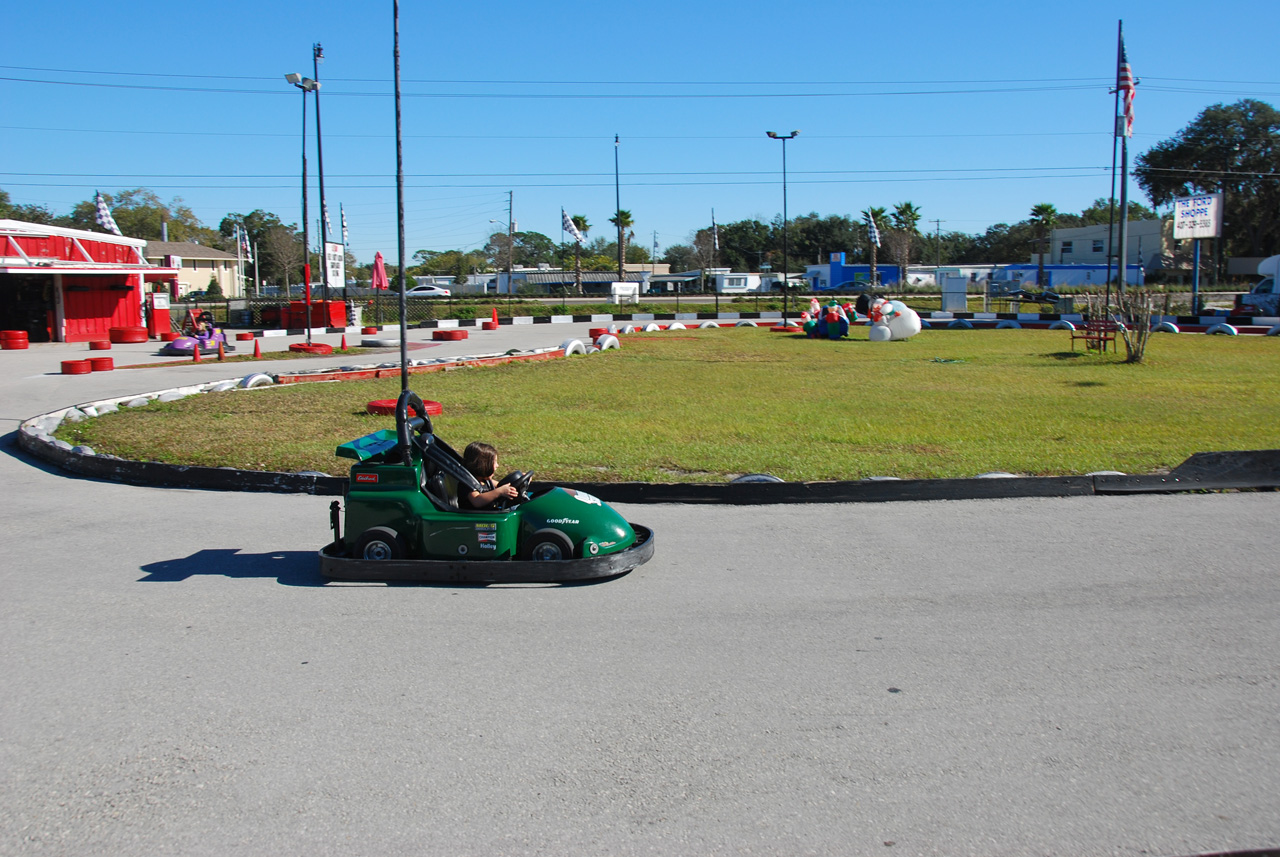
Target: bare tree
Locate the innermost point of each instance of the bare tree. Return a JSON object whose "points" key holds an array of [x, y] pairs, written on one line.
{"points": [[283, 247]]}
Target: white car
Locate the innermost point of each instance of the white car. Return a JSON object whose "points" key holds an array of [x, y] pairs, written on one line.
{"points": [[427, 292]]}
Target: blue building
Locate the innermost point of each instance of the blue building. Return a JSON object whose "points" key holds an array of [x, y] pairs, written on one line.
{"points": [[836, 276]]}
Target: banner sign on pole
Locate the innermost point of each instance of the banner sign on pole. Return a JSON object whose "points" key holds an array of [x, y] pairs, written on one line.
{"points": [[335, 258], [1198, 216]]}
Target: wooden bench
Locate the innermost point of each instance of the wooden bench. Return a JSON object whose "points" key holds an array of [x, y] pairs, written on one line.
{"points": [[1096, 333]]}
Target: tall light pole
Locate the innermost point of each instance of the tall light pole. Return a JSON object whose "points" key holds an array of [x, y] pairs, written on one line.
{"points": [[305, 84], [317, 57], [786, 271], [617, 202]]}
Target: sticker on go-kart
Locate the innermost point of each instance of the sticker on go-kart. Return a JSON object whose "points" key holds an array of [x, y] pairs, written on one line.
{"points": [[583, 496], [487, 535], [366, 477]]}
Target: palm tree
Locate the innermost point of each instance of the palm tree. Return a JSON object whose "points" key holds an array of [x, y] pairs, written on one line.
{"points": [[905, 219], [1043, 215], [584, 227], [623, 221]]}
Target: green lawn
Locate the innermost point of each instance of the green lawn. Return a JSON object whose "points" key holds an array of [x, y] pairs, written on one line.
{"points": [[706, 405]]}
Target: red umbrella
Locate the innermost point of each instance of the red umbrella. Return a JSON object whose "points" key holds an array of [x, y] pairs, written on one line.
{"points": [[379, 273]]}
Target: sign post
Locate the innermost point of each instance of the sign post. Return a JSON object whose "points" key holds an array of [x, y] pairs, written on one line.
{"points": [[335, 266], [1197, 217]]}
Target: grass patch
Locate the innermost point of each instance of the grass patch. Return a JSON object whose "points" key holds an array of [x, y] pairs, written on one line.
{"points": [[721, 402]]}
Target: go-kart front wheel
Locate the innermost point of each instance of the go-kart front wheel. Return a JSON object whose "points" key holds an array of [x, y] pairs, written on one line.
{"points": [[548, 545], [379, 543]]}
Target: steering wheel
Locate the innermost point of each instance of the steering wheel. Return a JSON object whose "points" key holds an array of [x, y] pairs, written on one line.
{"points": [[521, 481], [406, 424]]}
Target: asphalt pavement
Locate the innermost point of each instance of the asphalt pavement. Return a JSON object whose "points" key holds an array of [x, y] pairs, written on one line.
{"points": [[1060, 676]]}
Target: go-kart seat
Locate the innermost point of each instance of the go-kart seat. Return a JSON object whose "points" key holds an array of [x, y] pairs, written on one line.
{"points": [[437, 492]]}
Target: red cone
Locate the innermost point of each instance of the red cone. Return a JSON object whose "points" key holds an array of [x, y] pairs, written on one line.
{"points": [[222, 351], [195, 352], [257, 350], [495, 315], [344, 342]]}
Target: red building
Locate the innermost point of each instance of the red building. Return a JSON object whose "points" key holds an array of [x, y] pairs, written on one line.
{"points": [[70, 285]]}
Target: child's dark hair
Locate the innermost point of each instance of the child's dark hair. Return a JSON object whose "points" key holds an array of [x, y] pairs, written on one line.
{"points": [[481, 459]]}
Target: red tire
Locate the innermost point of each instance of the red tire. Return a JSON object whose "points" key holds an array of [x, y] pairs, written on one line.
{"points": [[368, 331], [14, 336], [488, 325], [314, 348], [76, 367], [127, 334], [387, 407], [597, 332], [14, 344], [244, 337], [100, 345], [453, 335], [101, 364]]}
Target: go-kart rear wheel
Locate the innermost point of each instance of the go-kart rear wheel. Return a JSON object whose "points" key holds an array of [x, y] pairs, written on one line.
{"points": [[548, 545], [379, 543]]}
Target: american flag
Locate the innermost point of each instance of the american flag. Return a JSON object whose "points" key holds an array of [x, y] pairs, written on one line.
{"points": [[872, 232], [105, 220], [1126, 87]]}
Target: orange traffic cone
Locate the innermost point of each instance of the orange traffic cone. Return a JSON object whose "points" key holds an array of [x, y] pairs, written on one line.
{"points": [[195, 352], [344, 343], [257, 350], [495, 315], [222, 351]]}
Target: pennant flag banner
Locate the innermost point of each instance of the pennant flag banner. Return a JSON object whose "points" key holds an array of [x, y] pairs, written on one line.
{"points": [[342, 215], [105, 220], [872, 232]]}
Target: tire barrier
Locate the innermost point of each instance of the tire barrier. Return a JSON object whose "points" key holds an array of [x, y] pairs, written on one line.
{"points": [[100, 345], [257, 379], [607, 342], [76, 367], [1008, 324], [245, 337], [675, 325], [14, 340], [101, 364], [1223, 328], [707, 324], [450, 335], [1062, 324], [387, 408], [960, 324], [313, 348], [127, 334], [1166, 327], [652, 326], [573, 346], [746, 322]]}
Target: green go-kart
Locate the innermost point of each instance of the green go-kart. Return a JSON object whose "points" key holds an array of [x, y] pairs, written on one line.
{"points": [[403, 522]]}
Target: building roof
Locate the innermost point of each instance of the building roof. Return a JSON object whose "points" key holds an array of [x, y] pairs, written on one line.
{"points": [[185, 250]]}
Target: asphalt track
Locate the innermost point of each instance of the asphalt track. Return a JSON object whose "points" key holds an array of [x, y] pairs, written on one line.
{"points": [[1068, 676]]}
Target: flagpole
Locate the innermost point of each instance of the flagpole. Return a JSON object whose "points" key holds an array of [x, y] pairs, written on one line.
{"points": [[1111, 211], [1122, 129], [404, 309]]}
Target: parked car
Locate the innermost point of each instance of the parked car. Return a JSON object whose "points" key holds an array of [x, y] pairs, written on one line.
{"points": [[427, 292]]}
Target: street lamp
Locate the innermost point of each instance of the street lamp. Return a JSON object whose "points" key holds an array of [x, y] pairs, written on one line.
{"points": [[305, 84], [317, 57], [786, 273]]}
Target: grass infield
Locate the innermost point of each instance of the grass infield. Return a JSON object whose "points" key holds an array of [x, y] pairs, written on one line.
{"points": [[708, 405]]}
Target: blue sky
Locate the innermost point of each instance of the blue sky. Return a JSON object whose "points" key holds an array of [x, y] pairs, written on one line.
{"points": [[973, 111]]}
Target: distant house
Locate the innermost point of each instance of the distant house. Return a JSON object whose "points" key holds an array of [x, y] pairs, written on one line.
{"points": [[1088, 245], [196, 265]]}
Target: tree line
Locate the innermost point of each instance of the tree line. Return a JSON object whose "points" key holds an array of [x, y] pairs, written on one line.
{"points": [[1233, 149]]}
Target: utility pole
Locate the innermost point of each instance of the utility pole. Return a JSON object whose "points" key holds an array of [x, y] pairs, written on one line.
{"points": [[937, 255]]}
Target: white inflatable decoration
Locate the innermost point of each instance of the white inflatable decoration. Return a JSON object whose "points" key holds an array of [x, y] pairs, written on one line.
{"points": [[892, 320]]}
